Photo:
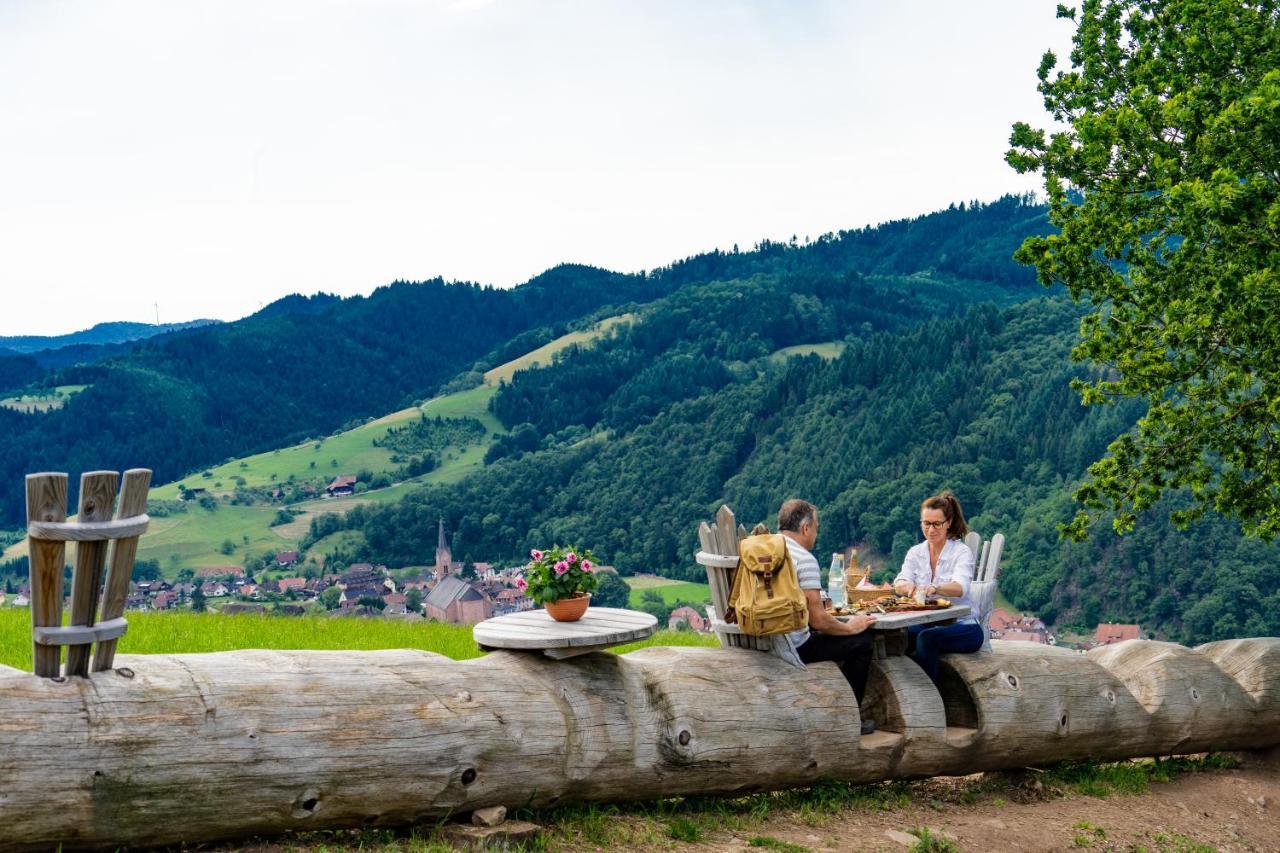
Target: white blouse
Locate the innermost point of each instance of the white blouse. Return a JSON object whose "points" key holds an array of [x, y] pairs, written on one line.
{"points": [[955, 563]]}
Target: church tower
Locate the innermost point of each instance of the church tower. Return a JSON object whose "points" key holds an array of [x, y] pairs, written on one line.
{"points": [[444, 556]]}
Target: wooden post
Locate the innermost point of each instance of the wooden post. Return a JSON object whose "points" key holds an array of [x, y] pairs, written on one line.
{"points": [[46, 501], [133, 502], [97, 500]]}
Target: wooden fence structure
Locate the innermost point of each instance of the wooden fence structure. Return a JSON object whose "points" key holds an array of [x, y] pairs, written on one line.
{"points": [[95, 527]]}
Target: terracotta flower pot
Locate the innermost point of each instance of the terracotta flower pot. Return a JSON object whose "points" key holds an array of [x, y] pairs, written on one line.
{"points": [[569, 609]]}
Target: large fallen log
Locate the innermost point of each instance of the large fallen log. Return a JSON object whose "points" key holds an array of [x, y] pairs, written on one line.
{"points": [[166, 749]]}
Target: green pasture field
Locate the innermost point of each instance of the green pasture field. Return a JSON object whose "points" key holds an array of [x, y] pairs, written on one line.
{"points": [[649, 581], [184, 632], [542, 356], [693, 593], [829, 350], [54, 399], [195, 537], [353, 450]]}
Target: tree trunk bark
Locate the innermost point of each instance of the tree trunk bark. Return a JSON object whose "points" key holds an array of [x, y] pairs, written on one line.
{"points": [[169, 749]]}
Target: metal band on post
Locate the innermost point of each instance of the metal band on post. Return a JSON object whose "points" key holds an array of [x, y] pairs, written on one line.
{"points": [[88, 531]]}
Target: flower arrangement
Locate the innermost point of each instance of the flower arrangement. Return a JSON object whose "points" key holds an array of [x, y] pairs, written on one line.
{"points": [[558, 573]]}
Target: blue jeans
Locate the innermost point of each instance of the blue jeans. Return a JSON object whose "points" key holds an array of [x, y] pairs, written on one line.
{"points": [[927, 642]]}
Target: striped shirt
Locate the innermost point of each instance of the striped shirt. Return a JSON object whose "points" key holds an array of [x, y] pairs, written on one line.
{"points": [[809, 576]]}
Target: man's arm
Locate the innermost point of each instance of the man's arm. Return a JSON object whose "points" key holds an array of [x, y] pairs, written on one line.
{"points": [[821, 620]]}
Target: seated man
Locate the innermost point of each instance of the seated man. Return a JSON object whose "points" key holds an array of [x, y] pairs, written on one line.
{"points": [[826, 638]]}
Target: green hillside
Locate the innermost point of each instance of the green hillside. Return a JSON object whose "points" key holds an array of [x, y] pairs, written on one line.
{"points": [[191, 534]]}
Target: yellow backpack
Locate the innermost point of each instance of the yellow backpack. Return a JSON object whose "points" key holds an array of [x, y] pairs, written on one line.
{"points": [[766, 597]]}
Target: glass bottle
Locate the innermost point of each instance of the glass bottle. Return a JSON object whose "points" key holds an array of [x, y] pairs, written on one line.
{"points": [[836, 582]]}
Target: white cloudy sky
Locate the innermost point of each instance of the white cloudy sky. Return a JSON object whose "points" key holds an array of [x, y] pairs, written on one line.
{"points": [[213, 156]]}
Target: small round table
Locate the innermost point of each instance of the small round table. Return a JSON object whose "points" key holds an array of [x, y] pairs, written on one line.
{"points": [[535, 631]]}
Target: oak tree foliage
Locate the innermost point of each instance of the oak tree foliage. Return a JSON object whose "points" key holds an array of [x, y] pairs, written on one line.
{"points": [[1163, 178]]}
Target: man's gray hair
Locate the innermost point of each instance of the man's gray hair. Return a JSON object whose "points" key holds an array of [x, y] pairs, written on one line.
{"points": [[794, 513]]}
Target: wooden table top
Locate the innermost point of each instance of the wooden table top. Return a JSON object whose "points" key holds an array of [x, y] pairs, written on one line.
{"points": [[535, 630]]}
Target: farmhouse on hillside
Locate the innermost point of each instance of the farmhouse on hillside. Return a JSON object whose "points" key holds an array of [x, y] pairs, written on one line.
{"points": [[343, 484]]}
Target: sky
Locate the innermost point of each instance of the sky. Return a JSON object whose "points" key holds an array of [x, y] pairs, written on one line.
{"points": [[187, 159]]}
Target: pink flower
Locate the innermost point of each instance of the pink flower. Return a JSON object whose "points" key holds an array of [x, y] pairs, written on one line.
{"points": [[586, 565], [562, 567], [571, 557], [522, 584], [536, 554]]}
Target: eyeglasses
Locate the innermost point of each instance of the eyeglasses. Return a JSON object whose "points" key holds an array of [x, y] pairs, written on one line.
{"points": [[924, 523]]}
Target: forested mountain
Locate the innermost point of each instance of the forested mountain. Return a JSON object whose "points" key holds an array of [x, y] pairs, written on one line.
{"points": [[307, 365], [102, 333], [645, 436]]}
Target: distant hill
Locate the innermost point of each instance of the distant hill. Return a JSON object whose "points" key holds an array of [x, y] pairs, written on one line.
{"points": [[307, 366], [102, 333]]}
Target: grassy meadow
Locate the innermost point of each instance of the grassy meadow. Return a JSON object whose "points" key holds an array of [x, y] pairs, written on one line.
{"points": [[829, 350], [543, 355], [47, 401], [185, 632], [670, 590]]}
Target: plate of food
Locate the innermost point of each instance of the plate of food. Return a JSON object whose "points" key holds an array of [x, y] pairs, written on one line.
{"points": [[902, 604]]}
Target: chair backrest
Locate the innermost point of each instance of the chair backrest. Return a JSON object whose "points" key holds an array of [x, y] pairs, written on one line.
{"points": [[983, 589], [974, 540], [48, 532], [719, 555]]}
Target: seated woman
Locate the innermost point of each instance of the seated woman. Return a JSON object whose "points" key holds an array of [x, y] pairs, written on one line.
{"points": [[940, 565]]}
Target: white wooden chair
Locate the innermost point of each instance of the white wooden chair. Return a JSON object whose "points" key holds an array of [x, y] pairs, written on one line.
{"points": [[986, 575]]}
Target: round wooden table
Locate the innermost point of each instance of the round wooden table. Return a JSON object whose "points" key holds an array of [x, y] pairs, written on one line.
{"points": [[535, 631]]}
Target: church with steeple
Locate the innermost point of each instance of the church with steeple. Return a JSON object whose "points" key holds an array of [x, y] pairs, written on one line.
{"points": [[444, 555]]}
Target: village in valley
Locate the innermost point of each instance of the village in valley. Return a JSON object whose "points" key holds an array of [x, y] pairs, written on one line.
{"points": [[449, 590]]}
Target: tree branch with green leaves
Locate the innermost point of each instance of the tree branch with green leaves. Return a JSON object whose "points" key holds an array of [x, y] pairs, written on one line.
{"points": [[1163, 177]]}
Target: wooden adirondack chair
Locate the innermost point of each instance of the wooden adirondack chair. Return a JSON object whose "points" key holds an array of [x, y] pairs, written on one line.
{"points": [[986, 574], [48, 532], [719, 555]]}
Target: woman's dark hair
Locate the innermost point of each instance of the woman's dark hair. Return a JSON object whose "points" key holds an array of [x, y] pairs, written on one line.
{"points": [[950, 506]]}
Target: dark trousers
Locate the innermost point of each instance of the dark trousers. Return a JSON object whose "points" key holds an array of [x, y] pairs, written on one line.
{"points": [[925, 643], [851, 653]]}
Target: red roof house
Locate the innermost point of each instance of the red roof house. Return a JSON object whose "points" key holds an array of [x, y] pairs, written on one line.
{"points": [[688, 616], [1001, 619], [1109, 633]]}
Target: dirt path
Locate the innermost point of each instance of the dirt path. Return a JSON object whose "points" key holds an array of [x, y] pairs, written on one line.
{"points": [[1224, 810], [1234, 809]]}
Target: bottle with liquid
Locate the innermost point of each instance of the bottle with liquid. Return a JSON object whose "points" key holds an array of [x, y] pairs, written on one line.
{"points": [[836, 582], [852, 574]]}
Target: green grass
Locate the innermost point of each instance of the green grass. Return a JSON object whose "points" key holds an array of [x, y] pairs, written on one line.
{"points": [[195, 537], [829, 350], [649, 581], [542, 356], [694, 593], [187, 632], [47, 401]]}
